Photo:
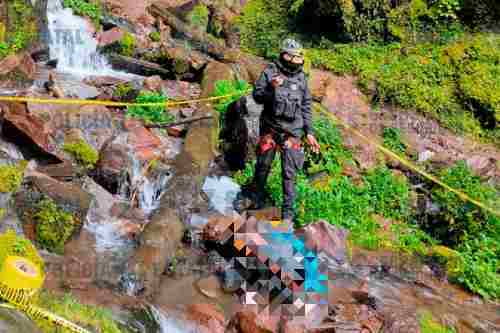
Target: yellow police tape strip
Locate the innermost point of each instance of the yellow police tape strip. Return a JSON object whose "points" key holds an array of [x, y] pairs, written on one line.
{"points": [[111, 103], [19, 289], [405, 162]]}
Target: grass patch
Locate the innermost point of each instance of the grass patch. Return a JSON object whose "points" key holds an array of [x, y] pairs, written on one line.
{"points": [[90, 317]]}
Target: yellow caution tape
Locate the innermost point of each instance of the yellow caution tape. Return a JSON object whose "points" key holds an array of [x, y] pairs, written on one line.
{"points": [[109, 103], [405, 162], [20, 280]]}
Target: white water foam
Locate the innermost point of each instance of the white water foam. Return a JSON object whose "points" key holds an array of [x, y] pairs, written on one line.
{"points": [[222, 192], [171, 325]]}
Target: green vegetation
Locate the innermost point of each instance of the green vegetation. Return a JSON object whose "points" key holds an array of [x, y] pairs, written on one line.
{"points": [[151, 114], [393, 141], [89, 8], [21, 28], [124, 92], [13, 245], [428, 324], [418, 54], [127, 44], [236, 89], [54, 226], [90, 317], [155, 36], [198, 17], [83, 153], [11, 177]]}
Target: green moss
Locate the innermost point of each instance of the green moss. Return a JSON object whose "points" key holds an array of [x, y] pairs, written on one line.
{"points": [[13, 245], [83, 153], [3, 211], [156, 114], [428, 324], [2, 32], [127, 44], [155, 36], [91, 317], [393, 141], [198, 17], [11, 177], [54, 226], [21, 28]]}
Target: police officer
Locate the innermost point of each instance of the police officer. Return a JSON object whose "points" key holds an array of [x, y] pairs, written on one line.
{"points": [[282, 89]]}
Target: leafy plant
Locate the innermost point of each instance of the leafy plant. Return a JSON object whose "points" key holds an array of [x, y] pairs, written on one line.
{"points": [[20, 30], [233, 90], [83, 153], [54, 226], [150, 114], [458, 217], [393, 141]]}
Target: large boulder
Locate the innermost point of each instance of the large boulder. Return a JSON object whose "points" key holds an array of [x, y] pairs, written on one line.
{"points": [[17, 71], [157, 245], [139, 67]]}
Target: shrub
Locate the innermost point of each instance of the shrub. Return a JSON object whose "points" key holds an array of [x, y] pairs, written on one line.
{"points": [[83, 153], [479, 269], [457, 217], [428, 324], [127, 44], [263, 24], [20, 30], [150, 114], [236, 89], [11, 177], [91, 9], [54, 226]]}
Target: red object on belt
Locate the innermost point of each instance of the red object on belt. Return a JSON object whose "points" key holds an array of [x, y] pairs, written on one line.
{"points": [[266, 143]]}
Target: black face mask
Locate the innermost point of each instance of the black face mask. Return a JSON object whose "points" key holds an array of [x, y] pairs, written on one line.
{"points": [[290, 65]]}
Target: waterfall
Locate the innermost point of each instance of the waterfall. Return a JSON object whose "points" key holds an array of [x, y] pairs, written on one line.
{"points": [[72, 44], [168, 324]]}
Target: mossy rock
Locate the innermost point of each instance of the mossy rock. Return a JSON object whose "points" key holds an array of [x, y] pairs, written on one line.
{"points": [[54, 225], [82, 152], [446, 256], [11, 177]]}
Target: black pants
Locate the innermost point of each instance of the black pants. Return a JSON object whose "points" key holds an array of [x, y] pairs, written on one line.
{"points": [[292, 160]]}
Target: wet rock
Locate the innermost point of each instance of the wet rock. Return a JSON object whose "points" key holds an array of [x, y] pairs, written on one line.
{"points": [[110, 21], [324, 237], [110, 36], [176, 131], [219, 226], [208, 316], [15, 321], [26, 128], [209, 286], [250, 66], [158, 243], [17, 71], [248, 321], [139, 67], [214, 72], [61, 171], [153, 83], [103, 81], [401, 321]]}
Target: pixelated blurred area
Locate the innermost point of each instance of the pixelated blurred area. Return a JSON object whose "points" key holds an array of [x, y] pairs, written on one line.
{"points": [[269, 267]]}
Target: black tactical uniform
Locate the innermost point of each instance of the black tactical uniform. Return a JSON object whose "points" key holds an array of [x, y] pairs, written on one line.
{"points": [[285, 119]]}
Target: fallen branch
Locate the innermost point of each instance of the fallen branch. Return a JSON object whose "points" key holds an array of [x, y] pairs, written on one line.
{"points": [[181, 122]]}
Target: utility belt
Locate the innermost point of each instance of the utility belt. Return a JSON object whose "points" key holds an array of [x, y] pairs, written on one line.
{"points": [[278, 140]]}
